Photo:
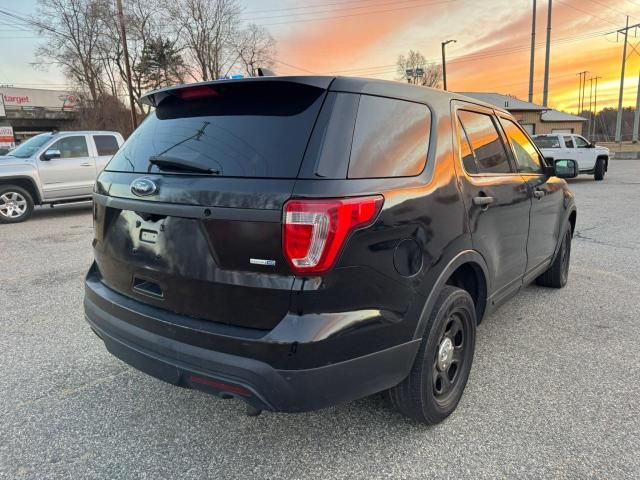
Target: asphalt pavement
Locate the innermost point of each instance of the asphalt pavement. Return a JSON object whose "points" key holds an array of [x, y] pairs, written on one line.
{"points": [[554, 391]]}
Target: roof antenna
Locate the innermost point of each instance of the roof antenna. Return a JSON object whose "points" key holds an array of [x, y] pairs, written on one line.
{"points": [[265, 72]]}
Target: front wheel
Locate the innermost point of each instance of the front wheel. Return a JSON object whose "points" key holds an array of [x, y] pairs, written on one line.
{"points": [[16, 204], [440, 371], [600, 169]]}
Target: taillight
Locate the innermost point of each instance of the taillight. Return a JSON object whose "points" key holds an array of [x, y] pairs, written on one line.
{"points": [[316, 230], [196, 93]]}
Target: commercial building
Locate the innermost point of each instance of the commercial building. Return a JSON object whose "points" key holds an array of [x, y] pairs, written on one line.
{"points": [[25, 112], [536, 119]]}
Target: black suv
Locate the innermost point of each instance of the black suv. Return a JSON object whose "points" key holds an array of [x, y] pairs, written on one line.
{"points": [[296, 242]]}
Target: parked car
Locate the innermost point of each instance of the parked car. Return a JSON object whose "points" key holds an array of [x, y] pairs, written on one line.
{"points": [[297, 242], [592, 159], [52, 168]]}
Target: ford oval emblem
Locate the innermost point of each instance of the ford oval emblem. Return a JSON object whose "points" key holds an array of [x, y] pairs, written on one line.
{"points": [[143, 187]]}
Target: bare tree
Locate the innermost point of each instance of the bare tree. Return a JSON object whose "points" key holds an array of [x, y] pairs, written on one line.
{"points": [[415, 61], [152, 39], [72, 33], [208, 29], [256, 48]]}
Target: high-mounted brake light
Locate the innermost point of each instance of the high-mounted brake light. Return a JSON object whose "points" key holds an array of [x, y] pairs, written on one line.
{"points": [[316, 230], [195, 93]]}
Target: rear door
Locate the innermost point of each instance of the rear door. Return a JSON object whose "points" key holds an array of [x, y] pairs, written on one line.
{"points": [[201, 234], [496, 197], [546, 195], [71, 175]]}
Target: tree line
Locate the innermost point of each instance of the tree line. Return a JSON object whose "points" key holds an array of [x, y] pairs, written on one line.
{"points": [[168, 42]]}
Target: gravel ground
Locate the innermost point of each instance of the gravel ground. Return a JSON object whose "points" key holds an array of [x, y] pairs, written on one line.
{"points": [[554, 391]]}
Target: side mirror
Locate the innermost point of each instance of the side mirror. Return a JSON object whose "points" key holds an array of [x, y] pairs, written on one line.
{"points": [[565, 168], [592, 145], [50, 155]]}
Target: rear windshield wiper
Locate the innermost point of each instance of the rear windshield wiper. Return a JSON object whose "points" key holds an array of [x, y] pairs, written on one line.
{"points": [[180, 165]]}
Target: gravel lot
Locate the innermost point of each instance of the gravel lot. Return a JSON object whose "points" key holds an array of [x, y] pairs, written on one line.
{"points": [[554, 391]]}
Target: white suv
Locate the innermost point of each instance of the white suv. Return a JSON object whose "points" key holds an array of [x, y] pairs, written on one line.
{"points": [[592, 159]]}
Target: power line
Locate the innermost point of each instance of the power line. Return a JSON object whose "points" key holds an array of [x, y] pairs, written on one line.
{"points": [[334, 11]]}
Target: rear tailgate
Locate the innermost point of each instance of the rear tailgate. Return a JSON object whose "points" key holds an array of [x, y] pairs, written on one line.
{"points": [[207, 245]]}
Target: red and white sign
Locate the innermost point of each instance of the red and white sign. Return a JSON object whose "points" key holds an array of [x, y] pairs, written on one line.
{"points": [[6, 137], [37, 98]]}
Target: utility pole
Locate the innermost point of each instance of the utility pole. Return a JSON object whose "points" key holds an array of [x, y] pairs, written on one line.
{"points": [[636, 115], [444, 63], [583, 79], [533, 52], [545, 96], [125, 50], [595, 106], [625, 30], [584, 86], [590, 104]]}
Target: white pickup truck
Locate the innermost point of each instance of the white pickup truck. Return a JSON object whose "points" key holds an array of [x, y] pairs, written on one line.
{"points": [[52, 168], [592, 159]]}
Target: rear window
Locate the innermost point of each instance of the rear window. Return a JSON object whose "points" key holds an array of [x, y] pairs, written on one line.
{"points": [[547, 142], [391, 138], [244, 129], [106, 144]]}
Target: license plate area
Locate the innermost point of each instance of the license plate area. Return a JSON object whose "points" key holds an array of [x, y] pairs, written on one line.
{"points": [[148, 236]]}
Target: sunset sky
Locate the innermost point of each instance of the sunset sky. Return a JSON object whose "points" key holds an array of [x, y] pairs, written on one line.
{"points": [[365, 37]]}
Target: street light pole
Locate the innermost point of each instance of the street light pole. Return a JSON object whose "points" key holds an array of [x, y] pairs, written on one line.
{"points": [[444, 63]]}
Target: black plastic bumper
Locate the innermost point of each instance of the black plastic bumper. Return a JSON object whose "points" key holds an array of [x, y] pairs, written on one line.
{"points": [[160, 353]]}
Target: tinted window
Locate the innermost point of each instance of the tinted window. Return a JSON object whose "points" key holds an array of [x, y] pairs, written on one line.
{"points": [[466, 153], [243, 129], [491, 157], [391, 138], [581, 142], [568, 142], [527, 157], [71, 147], [547, 142], [106, 144]]}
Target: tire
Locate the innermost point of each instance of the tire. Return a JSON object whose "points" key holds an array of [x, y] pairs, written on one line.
{"points": [[433, 388], [600, 169], [16, 204], [558, 273]]}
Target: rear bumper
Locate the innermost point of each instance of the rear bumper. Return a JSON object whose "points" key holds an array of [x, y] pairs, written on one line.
{"points": [[154, 346]]}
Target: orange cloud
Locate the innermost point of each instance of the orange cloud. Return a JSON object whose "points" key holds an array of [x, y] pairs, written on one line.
{"points": [[492, 53]]}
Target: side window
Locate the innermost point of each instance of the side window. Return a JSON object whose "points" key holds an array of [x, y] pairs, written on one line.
{"points": [[105, 144], [581, 142], [391, 138], [71, 147], [491, 157], [527, 157], [568, 142], [466, 152]]}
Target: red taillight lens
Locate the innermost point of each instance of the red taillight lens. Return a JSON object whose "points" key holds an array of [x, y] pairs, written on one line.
{"points": [[315, 230], [196, 93]]}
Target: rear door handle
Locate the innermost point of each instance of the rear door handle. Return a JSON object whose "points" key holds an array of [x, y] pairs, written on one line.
{"points": [[539, 193], [86, 164], [483, 201]]}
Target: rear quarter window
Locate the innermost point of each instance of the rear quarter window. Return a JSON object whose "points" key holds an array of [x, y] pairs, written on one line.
{"points": [[106, 144], [391, 138]]}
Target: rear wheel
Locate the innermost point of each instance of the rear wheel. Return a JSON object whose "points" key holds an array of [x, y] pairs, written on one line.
{"points": [[558, 273], [439, 374], [16, 204], [600, 169]]}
